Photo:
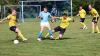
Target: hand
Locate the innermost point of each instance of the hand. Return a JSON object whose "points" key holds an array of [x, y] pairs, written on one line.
{"points": [[0, 21]]}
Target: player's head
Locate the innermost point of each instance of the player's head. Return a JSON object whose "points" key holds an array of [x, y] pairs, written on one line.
{"points": [[64, 15], [90, 7], [80, 7], [45, 9], [13, 12]]}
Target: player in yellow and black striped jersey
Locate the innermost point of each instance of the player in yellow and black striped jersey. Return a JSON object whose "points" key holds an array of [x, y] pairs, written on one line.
{"points": [[95, 19], [82, 14], [12, 24]]}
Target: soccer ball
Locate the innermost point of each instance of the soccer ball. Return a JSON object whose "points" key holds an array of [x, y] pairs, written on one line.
{"points": [[16, 41]]}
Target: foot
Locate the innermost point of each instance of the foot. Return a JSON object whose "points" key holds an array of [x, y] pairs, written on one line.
{"points": [[51, 37], [39, 39], [25, 40], [84, 27], [81, 28]]}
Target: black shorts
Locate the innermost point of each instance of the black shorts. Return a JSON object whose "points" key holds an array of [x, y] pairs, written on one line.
{"points": [[82, 19], [13, 28], [94, 20], [61, 30]]}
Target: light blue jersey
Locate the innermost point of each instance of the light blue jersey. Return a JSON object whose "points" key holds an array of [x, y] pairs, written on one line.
{"points": [[45, 16]]}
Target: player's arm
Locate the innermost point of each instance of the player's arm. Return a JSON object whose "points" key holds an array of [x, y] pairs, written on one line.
{"points": [[78, 14], [3, 19]]}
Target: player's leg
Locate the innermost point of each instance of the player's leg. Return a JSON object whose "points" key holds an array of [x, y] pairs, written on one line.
{"points": [[58, 28], [93, 27], [61, 33], [20, 34], [50, 31], [40, 33], [96, 26], [82, 23], [97, 29], [17, 37], [94, 23]]}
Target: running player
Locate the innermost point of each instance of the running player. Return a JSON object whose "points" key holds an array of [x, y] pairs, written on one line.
{"points": [[95, 19], [12, 25], [82, 14]]}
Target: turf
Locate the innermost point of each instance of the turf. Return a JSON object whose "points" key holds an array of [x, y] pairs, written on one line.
{"points": [[76, 42]]}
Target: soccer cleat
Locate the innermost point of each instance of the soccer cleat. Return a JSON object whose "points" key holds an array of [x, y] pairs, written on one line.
{"points": [[25, 39], [39, 39], [81, 28], [85, 28], [51, 37]]}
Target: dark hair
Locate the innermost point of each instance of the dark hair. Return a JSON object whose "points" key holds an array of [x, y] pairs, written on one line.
{"points": [[64, 14], [46, 7], [81, 5]]}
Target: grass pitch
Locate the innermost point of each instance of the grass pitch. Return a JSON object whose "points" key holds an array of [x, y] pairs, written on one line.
{"points": [[76, 42]]}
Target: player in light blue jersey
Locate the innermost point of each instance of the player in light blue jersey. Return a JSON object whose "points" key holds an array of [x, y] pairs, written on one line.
{"points": [[45, 16]]}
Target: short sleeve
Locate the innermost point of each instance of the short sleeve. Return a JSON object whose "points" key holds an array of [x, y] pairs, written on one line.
{"points": [[8, 17], [94, 11]]}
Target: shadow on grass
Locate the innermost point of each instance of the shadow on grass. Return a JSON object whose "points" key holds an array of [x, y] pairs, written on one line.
{"points": [[64, 38]]}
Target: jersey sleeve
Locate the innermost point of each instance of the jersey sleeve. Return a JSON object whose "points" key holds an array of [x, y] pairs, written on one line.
{"points": [[95, 12], [8, 17]]}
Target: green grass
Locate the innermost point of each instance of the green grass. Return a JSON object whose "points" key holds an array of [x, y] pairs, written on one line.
{"points": [[76, 42]]}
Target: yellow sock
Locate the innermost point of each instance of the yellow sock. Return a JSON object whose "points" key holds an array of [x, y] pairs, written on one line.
{"points": [[97, 29], [83, 24], [47, 35], [20, 35], [93, 29], [57, 38]]}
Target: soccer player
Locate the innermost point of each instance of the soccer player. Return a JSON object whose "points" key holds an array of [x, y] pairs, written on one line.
{"points": [[45, 16], [82, 14], [12, 24], [95, 19], [65, 21]]}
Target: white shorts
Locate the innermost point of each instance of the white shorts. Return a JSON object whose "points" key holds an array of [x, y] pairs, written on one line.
{"points": [[45, 24]]}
